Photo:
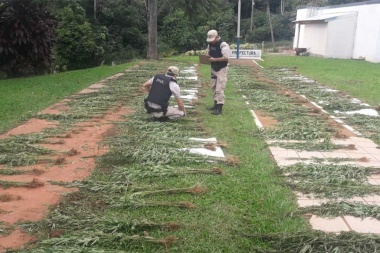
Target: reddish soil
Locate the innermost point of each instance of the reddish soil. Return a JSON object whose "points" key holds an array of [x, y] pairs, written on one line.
{"points": [[77, 150], [265, 120]]}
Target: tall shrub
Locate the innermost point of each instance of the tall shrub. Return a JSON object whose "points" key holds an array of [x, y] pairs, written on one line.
{"points": [[177, 31], [26, 38], [126, 29], [76, 47]]}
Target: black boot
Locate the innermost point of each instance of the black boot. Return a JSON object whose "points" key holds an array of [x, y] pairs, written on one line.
{"points": [[213, 107], [161, 119], [218, 109]]}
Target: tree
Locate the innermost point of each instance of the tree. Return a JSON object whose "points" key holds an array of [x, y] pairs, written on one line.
{"points": [[282, 7], [270, 26], [190, 7], [26, 37], [179, 33], [95, 9], [76, 47], [152, 30], [126, 26], [251, 24]]}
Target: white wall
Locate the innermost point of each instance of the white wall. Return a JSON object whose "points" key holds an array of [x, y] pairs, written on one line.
{"points": [[366, 43], [368, 25], [299, 29], [315, 38], [367, 35], [375, 56], [341, 38], [299, 36]]}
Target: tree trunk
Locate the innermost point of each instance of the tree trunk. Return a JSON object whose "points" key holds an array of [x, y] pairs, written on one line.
{"points": [[251, 26], [282, 7], [94, 9], [270, 26], [152, 53]]}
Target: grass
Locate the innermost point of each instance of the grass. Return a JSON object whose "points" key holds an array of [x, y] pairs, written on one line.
{"points": [[356, 77], [249, 198], [21, 98], [253, 182]]}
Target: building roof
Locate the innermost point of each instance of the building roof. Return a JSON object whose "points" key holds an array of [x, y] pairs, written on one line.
{"points": [[325, 17]]}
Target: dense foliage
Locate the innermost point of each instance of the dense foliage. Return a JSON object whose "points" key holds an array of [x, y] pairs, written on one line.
{"points": [[26, 38], [91, 32], [76, 48], [124, 23]]}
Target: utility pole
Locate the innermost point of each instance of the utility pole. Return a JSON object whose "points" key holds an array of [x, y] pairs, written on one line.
{"points": [[251, 26]]}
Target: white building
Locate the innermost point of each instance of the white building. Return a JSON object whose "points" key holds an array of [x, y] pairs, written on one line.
{"points": [[348, 31]]}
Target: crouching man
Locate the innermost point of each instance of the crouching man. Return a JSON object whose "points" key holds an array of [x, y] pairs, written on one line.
{"points": [[160, 88]]}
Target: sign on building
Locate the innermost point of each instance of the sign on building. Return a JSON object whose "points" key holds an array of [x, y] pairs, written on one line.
{"points": [[246, 54]]}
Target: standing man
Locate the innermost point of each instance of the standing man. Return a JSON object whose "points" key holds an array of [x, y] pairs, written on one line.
{"points": [[218, 50], [160, 88]]}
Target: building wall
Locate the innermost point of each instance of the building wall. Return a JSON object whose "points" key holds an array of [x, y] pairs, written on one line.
{"points": [[368, 37], [315, 38], [300, 29], [375, 56], [367, 31], [341, 38], [366, 43]]}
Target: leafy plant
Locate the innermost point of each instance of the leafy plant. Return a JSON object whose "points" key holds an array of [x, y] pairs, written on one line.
{"points": [[27, 37], [317, 241], [340, 208], [76, 47]]}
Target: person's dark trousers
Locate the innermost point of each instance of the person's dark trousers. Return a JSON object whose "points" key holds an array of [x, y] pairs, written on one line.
{"points": [[213, 107], [218, 109]]}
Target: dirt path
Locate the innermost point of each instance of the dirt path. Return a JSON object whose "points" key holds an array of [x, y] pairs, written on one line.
{"points": [[74, 159]]}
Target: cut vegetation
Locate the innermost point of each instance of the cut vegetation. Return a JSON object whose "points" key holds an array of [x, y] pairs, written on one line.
{"points": [[146, 194]]}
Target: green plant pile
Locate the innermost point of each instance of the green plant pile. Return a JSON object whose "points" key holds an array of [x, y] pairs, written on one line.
{"points": [[333, 101], [331, 180], [339, 208], [294, 121], [5, 229], [318, 241], [21, 150]]}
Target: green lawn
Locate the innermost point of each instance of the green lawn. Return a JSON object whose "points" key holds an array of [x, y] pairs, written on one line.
{"points": [[357, 77]]}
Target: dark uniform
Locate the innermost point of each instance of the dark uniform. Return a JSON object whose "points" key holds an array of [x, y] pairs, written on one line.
{"points": [[219, 71], [159, 94]]}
